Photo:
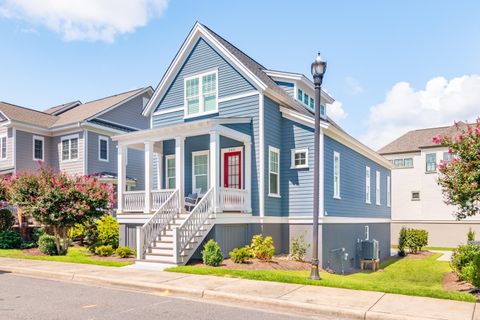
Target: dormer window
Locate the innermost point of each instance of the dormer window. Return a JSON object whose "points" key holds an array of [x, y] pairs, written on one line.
{"points": [[306, 98], [201, 94], [312, 103], [299, 94]]}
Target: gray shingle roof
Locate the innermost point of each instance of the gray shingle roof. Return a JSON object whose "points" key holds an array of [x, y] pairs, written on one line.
{"points": [[26, 115]]}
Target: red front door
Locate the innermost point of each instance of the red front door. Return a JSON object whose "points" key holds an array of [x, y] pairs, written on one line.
{"points": [[232, 170]]}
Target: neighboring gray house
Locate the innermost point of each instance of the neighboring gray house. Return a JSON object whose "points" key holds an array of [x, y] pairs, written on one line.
{"points": [[240, 137], [74, 137]]}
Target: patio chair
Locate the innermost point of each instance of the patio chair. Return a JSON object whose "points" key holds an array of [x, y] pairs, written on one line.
{"points": [[192, 199]]}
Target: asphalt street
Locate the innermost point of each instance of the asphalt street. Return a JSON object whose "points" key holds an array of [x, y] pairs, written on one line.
{"points": [[30, 298]]}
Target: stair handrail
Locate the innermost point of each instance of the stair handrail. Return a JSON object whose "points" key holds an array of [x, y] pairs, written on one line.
{"points": [[159, 221], [194, 221]]}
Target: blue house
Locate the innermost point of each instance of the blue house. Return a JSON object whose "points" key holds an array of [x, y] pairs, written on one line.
{"points": [[230, 154]]}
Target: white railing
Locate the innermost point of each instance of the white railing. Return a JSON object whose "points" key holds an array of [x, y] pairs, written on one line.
{"points": [[159, 197], [193, 223], [157, 223], [230, 199], [134, 200]]}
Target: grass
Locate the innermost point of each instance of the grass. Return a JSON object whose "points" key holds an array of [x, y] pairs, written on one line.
{"points": [[431, 248], [74, 255], [415, 277]]}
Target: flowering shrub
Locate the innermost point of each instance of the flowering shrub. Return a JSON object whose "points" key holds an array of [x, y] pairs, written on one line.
{"points": [[58, 200], [460, 176]]}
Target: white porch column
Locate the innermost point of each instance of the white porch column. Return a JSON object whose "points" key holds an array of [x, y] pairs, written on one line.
{"points": [[121, 176], [148, 176], [248, 175], [180, 169], [160, 167], [215, 167]]}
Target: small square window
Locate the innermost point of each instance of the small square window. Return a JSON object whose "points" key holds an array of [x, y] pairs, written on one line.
{"points": [[299, 158], [415, 195]]}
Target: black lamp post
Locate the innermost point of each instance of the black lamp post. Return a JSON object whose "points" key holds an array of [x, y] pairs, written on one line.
{"points": [[318, 70]]}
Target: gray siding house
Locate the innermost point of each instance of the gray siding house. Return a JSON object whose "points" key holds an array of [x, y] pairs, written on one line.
{"points": [[238, 138], [74, 137]]}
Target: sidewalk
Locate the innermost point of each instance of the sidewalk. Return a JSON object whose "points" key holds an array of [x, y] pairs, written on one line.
{"points": [[323, 302]]}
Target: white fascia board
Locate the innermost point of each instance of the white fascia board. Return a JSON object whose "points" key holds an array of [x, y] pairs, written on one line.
{"points": [[197, 31], [100, 129]]}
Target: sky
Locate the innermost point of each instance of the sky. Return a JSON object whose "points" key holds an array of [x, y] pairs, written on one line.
{"points": [[393, 66]]}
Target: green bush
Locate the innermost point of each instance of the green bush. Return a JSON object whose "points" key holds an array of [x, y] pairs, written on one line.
{"points": [[124, 252], [470, 235], [10, 240], [262, 249], [104, 251], [76, 233], [212, 254], [416, 239], [241, 255], [7, 220], [46, 245], [402, 242], [107, 227], [36, 233], [298, 248]]}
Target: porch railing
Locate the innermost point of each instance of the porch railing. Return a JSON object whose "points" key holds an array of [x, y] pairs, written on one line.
{"points": [[159, 197], [231, 199], [134, 200]]}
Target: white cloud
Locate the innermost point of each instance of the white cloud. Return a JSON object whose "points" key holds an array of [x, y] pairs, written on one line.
{"points": [[336, 111], [353, 86], [91, 20], [441, 103]]}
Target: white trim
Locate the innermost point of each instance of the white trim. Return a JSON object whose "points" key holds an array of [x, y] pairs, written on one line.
{"points": [[261, 146], [118, 124], [389, 191], [368, 185], [169, 110], [337, 195], [100, 139], [85, 151], [322, 174], [277, 151], [42, 139], [378, 188], [69, 138], [6, 146], [194, 177], [201, 99], [367, 232], [238, 96], [293, 153], [14, 150], [222, 165], [167, 177]]}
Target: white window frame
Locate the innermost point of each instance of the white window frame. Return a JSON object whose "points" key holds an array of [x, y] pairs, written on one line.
{"points": [[336, 188], [38, 138], [222, 170], [368, 185], [1, 146], [294, 152], [167, 177], [367, 232], [69, 138], [276, 150], [201, 104], [194, 177], [378, 188], [100, 139], [389, 191]]}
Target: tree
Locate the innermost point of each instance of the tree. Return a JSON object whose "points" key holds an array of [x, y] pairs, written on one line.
{"points": [[460, 176], [58, 200]]}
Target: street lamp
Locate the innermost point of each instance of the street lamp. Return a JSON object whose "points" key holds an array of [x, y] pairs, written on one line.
{"points": [[318, 70]]}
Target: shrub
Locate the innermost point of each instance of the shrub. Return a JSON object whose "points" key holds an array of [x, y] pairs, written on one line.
{"points": [[212, 254], [7, 220], [107, 227], [124, 252], [241, 255], [298, 248], [416, 239], [470, 235], [76, 232], [47, 245], [10, 240], [262, 249], [402, 242], [462, 259], [36, 233], [104, 251]]}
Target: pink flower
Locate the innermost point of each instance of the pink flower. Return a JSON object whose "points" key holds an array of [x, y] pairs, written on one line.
{"points": [[437, 139], [474, 184]]}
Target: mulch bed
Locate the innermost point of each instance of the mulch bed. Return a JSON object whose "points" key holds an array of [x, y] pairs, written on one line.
{"points": [[452, 283], [33, 252], [36, 252], [419, 255], [277, 263]]}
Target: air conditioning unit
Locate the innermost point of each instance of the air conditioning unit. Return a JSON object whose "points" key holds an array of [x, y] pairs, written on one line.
{"points": [[369, 249]]}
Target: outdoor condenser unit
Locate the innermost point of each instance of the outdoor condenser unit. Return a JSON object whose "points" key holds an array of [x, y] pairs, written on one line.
{"points": [[369, 249]]}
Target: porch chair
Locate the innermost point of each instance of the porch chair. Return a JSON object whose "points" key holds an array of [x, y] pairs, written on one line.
{"points": [[192, 199]]}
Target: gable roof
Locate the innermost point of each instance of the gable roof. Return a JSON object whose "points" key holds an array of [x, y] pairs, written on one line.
{"points": [[62, 108], [26, 115], [415, 140]]}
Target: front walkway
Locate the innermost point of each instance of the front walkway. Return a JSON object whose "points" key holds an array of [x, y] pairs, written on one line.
{"points": [[325, 302]]}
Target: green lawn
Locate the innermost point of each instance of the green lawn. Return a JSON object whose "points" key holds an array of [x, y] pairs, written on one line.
{"points": [[416, 277], [431, 248], [74, 255]]}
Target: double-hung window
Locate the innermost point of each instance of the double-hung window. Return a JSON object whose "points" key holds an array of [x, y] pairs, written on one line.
{"points": [[201, 94], [273, 171], [377, 188], [299, 158], [70, 148], [38, 146], [336, 175], [170, 171], [299, 95], [447, 156], [431, 162], [389, 191], [3, 147], [200, 171], [368, 189], [312, 103], [103, 148]]}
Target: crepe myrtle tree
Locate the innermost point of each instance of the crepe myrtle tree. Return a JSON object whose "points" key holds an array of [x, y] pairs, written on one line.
{"points": [[58, 200], [460, 176]]}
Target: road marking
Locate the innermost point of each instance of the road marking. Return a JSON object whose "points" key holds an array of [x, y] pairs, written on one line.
{"points": [[89, 306]]}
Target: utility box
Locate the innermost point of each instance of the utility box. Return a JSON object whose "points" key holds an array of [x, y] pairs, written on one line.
{"points": [[369, 250]]}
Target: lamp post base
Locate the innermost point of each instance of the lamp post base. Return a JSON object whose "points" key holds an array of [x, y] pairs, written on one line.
{"points": [[314, 274]]}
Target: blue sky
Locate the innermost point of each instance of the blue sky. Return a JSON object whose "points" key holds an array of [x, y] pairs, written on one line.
{"points": [[371, 47]]}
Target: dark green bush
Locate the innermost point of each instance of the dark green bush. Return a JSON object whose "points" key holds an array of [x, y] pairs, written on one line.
{"points": [[47, 245], [402, 242], [36, 233], [462, 259], [470, 235], [10, 240], [124, 252], [241, 255], [104, 251], [262, 249], [416, 239], [107, 227], [7, 220], [212, 254]]}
